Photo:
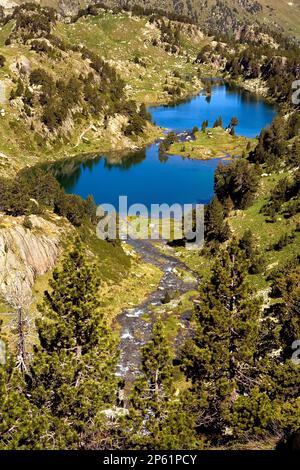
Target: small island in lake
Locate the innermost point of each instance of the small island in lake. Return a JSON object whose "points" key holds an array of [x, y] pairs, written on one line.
{"points": [[212, 143]]}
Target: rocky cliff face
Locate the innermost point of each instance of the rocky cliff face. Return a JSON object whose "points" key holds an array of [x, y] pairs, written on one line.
{"points": [[218, 15], [26, 252], [65, 7]]}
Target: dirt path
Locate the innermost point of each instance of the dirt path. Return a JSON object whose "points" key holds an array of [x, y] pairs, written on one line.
{"points": [[80, 137]]}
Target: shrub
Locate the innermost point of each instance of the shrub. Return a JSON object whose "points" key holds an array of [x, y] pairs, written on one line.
{"points": [[27, 223], [73, 207], [239, 181], [19, 90], [33, 191], [40, 46], [283, 241], [32, 21]]}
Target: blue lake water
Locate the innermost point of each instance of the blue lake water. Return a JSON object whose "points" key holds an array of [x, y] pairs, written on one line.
{"points": [[226, 101], [145, 178]]}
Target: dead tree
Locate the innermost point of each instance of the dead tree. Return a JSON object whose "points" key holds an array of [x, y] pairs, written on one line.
{"points": [[18, 297]]}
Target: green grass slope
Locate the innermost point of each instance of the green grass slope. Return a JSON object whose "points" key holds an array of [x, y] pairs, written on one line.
{"points": [[151, 74], [127, 42]]}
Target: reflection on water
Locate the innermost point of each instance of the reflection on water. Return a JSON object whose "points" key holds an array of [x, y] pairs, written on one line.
{"points": [[227, 101], [149, 178], [144, 177], [126, 162]]}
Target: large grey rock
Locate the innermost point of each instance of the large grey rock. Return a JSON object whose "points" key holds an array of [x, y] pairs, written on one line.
{"points": [[26, 253]]}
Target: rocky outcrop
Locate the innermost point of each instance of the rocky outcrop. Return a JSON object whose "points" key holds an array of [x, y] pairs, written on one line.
{"points": [[255, 85], [8, 5], [28, 248]]}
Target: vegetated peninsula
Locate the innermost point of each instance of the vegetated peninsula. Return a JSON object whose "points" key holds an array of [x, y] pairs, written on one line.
{"points": [[212, 143]]}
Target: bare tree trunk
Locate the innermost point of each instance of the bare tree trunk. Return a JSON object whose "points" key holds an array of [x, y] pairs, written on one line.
{"points": [[19, 299], [21, 343]]}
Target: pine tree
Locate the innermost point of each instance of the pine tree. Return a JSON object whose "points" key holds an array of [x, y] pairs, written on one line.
{"points": [[21, 424], [288, 312], [204, 125], [218, 122], [233, 122], [285, 314], [273, 405], [220, 359], [227, 206], [195, 130], [248, 245], [215, 226], [72, 373], [238, 180], [158, 418]]}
